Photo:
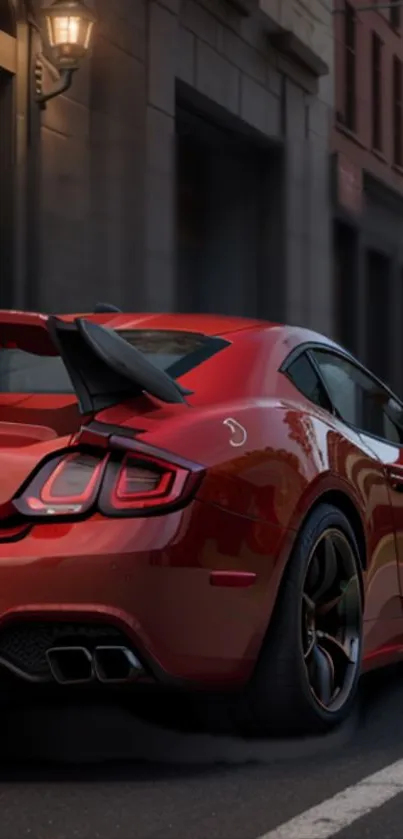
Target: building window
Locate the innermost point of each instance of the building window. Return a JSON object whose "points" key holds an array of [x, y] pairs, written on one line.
{"points": [[350, 43], [395, 12], [378, 309], [347, 303], [376, 74], [397, 112]]}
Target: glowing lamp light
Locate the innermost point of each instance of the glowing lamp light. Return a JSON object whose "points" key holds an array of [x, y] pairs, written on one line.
{"points": [[68, 28]]}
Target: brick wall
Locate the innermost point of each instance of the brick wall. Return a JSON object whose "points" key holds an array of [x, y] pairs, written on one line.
{"points": [[357, 145]]}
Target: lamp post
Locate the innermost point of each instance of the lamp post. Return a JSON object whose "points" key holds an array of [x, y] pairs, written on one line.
{"points": [[66, 31]]}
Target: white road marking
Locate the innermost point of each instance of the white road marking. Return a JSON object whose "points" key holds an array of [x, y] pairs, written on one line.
{"points": [[337, 813]]}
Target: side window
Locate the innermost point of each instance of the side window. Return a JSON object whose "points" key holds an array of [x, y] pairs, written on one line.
{"points": [[304, 376], [359, 399]]}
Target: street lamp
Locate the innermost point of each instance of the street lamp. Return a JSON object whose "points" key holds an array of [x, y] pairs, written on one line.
{"points": [[67, 27]]}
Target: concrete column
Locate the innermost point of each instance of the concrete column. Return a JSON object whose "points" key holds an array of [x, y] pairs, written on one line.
{"points": [[362, 296], [309, 275], [117, 136], [276, 253], [396, 324], [160, 268], [321, 309], [92, 172], [296, 217]]}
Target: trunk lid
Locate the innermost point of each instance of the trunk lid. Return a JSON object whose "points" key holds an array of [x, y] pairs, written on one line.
{"points": [[32, 419], [55, 376], [17, 463]]}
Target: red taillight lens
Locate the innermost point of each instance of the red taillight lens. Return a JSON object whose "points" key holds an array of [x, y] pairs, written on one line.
{"points": [[117, 485], [140, 482], [73, 479], [141, 486], [65, 486]]}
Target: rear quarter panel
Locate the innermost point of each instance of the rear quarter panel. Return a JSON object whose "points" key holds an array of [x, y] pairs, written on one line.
{"points": [[287, 457], [292, 456]]}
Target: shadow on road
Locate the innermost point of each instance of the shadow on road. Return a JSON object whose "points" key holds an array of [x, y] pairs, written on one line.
{"points": [[60, 744]]}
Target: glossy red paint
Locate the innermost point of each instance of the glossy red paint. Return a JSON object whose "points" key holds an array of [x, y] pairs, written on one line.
{"points": [[193, 588]]}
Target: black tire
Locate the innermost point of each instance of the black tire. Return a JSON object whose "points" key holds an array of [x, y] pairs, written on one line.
{"points": [[280, 699]]}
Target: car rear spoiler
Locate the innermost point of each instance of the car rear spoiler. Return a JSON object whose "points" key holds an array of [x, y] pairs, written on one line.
{"points": [[103, 368]]}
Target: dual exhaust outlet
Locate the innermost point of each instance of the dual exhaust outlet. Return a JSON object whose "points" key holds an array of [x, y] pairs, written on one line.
{"points": [[78, 665]]}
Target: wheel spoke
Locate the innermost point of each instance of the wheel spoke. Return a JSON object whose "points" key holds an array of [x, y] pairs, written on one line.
{"points": [[331, 562], [328, 567], [326, 606], [314, 573], [330, 553], [331, 619], [309, 602], [348, 599], [340, 653], [311, 643], [349, 606], [322, 674]]}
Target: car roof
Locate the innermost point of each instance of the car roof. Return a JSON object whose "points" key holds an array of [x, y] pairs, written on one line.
{"points": [[208, 324], [205, 323]]}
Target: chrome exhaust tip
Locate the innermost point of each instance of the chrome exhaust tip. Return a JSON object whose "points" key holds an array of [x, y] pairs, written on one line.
{"points": [[116, 664], [70, 665]]}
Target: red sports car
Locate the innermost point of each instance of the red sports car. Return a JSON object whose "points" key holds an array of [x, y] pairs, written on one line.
{"points": [[204, 503]]}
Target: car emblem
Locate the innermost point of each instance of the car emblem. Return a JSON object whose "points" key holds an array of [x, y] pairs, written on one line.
{"points": [[239, 433]]}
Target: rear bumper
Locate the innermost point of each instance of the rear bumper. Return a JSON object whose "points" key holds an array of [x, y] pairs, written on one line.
{"points": [[150, 580]]}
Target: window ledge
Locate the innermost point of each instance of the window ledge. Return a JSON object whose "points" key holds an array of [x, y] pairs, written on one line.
{"points": [[243, 7], [288, 43], [350, 134], [395, 29], [380, 155]]}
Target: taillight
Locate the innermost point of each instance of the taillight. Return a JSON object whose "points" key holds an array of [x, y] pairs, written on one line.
{"points": [[143, 486], [126, 484], [65, 486]]}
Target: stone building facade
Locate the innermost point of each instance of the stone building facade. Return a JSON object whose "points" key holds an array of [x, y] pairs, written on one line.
{"points": [[187, 167]]}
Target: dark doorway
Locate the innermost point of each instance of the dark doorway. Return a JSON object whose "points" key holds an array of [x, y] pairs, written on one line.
{"points": [[221, 182], [6, 188], [378, 321], [7, 18]]}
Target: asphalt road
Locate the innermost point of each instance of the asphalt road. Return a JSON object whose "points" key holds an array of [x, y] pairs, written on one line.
{"points": [[89, 774]]}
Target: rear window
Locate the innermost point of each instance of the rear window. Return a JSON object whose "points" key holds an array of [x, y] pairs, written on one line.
{"points": [[175, 352]]}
